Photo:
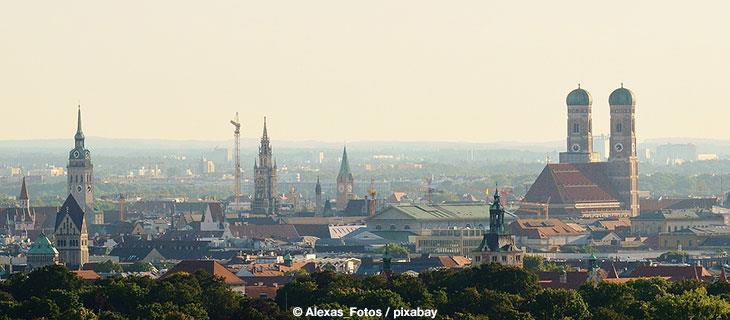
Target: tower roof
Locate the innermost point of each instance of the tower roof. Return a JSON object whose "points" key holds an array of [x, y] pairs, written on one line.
{"points": [[622, 97], [23, 191], [265, 135], [318, 187], [579, 97], [344, 165], [72, 208], [79, 132]]}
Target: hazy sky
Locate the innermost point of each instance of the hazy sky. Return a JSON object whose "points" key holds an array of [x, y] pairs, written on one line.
{"points": [[338, 70]]}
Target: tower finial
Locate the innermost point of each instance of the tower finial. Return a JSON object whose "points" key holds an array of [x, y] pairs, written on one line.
{"points": [[578, 85], [622, 84], [265, 133]]}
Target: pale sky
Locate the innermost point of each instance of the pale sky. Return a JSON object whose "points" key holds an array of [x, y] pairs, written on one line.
{"points": [[479, 71]]}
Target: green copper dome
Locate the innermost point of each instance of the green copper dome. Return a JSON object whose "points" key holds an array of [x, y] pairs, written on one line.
{"points": [[579, 97], [622, 97], [42, 246]]}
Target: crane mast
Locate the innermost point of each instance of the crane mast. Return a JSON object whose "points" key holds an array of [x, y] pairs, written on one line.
{"points": [[237, 169]]}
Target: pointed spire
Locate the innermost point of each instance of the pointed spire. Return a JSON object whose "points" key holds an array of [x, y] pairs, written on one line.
{"points": [[23, 191], [345, 164], [79, 133], [318, 187], [265, 135]]}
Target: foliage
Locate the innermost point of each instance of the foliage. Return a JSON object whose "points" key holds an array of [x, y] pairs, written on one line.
{"points": [[489, 291], [394, 249]]}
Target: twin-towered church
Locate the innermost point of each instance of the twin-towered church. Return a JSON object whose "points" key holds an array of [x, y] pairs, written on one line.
{"points": [[580, 185]]}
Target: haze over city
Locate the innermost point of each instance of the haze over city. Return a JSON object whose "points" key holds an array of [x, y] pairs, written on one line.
{"points": [[341, 71]]}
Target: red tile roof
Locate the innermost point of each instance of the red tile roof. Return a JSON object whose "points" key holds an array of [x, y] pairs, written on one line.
{"points": [[567, 183], [541, 228], [90, 275], [210, 266]]}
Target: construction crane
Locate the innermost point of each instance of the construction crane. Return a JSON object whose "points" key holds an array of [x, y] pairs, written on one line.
{"points": [[237, 170]]}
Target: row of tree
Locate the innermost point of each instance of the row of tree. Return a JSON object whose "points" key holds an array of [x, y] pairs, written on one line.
{"points": [[486, 292]]}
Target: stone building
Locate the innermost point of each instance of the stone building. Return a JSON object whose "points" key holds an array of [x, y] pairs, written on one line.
{"points": [[654, 223], [81, 176]]}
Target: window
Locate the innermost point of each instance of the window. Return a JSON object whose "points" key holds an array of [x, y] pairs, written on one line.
{"points": [[392, 227], [494, 258], [504, 258], [619, 127], [407, 227], [378, 227], [576, 128]]}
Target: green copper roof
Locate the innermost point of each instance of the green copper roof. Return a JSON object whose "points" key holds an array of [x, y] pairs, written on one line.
{"points": [[345, 165], [622, 97], [579, 97], [42, 246]]}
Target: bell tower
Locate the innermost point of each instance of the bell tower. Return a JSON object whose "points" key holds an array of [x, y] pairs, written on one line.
{"points": [[623, 164], [580, 128], [80, 174]]}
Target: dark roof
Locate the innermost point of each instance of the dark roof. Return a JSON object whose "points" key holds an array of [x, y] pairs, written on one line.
{"points": [[130, 254], [653, 205], [568, 183], [70, 207], [673, 272], [579, 97], [356, 207], [23, 191], [315, 230], [573, 279], [276, 231]]}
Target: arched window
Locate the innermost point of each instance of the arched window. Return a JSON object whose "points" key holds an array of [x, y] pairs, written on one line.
{"points": [[619, 127], [576, 128]]}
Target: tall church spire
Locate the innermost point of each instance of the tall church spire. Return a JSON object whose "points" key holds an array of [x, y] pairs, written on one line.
{"points": [[265, 136], [345, 165], [79, 137]]}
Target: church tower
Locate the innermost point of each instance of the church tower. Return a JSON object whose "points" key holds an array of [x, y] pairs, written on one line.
{"points": [[318, 198], [71, 234], [265, 199], [580, 128], [80, 174], [345, 183], [623, 164], [498, 245]]}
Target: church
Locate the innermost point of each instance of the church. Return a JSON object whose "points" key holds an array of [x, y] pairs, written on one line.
{"points": [[580, 185], [265, 197]]}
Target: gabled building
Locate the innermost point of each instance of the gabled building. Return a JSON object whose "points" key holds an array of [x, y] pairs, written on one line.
{"points": [[71, 234]]}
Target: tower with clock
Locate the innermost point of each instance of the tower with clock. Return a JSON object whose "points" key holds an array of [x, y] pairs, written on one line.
{"points": [[580, 128], [80, 174], [623, 164], [345, 183]]}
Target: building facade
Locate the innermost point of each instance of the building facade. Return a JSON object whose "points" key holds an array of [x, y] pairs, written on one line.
{"points": [[41, 253], [345, 183], [71, 234], [265, 198]]}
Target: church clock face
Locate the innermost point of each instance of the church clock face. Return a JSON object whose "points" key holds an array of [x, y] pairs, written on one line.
{"points": [[349, 188], [87, 154], [341, 188], [575, 147], [88, 188], [79, 188], [76, 154], [619, 147]]}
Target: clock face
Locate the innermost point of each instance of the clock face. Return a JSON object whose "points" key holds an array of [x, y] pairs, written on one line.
{"points": [[88, 188], [76, 154], [349, 188], [619, 147], [341, 188], [87, 154], [575, 147], [79, 188]]}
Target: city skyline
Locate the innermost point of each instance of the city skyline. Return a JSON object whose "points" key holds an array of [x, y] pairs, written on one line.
{"points": [[388, 72]]}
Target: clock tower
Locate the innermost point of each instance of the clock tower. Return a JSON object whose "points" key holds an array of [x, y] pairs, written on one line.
{"points": [[623, 164], [80, 174], [345, 183], [580, 128]]}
